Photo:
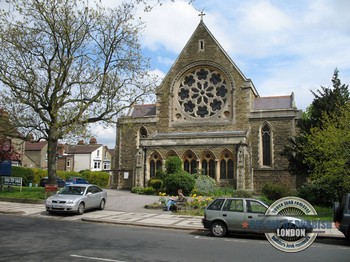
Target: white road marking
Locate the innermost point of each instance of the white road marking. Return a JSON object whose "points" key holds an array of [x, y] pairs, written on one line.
{"points": [[97, 258]]}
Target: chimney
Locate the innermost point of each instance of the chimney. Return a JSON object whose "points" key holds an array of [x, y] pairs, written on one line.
{"points": [[93, 141], [60, 149], [81, 142]]}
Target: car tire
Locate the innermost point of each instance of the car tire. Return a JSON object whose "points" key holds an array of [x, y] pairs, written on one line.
{"points": [[218, 229], [81, 208], [102, 204]]}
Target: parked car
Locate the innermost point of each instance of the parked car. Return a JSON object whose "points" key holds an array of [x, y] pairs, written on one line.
{"points": [[341, 215], [77, 198], [246, 215], [60, 182], [76, 180]]}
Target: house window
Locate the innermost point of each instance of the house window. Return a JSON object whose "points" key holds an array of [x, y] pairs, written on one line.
{"points": [[266, 145], [98, 152], [68, 162], [106, 165], [97, 165]]}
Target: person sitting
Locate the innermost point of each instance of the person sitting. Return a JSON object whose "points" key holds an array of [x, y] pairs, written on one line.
{"points": [[172, 201]]}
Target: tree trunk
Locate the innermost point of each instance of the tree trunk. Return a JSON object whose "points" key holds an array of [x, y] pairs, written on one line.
{"points": [[51, 157]]}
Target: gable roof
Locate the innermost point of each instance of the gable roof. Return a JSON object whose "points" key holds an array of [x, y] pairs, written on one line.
{"points": [[82, 149], [274, 102], [201, 26], [143, 110], [35, 146]]}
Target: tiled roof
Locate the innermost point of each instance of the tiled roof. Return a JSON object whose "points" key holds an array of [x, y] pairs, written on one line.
{"points": [[35, 146], [273, 102], [143, 110], [82, 149]]}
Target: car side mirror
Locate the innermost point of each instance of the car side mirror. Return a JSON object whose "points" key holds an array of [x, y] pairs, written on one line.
{"points": [[89, 193]]}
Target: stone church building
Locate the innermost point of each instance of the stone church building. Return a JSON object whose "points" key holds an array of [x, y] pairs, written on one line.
{"points": [[212, 117]]}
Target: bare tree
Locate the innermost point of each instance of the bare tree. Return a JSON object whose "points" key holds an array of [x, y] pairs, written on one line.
{"points": [[65, 64]]}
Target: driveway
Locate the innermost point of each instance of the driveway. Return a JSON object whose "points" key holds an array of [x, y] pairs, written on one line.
{"points": [[123, 200]]}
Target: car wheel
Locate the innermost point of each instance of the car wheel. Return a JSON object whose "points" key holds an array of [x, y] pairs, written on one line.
{"points": [[102, 204], [81, 208], [218, 229]]}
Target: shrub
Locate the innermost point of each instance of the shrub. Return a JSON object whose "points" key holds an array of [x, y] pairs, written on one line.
{"points": [[242, 193], [39, 174], [156, 183], [149, 191], [275, 191], [181, 180], [99, 178], [160, 174], [173, 165], [27, 174], [204, 185], [138, 190], [68, 174], [318, 193]]}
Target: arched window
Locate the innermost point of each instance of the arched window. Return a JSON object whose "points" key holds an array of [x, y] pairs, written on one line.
{"points": [[143, 132], [226, 166], [266, 145], [190, 163], [208, 165], [155, 164]]}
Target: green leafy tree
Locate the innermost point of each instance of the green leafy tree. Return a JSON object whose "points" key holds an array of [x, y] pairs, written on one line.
{"points": [[65, 64], [327, 102], [327, 151]]}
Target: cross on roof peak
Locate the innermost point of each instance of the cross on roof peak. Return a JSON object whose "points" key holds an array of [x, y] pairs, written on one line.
{"points": [[201, 15]]}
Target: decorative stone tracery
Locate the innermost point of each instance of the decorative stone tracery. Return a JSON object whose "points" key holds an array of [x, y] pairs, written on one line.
{"points": [[202, 92]]}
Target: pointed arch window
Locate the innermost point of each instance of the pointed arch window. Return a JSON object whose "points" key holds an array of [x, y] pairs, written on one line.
{"points": [[226, 166], [190, 163], [266, 145], [208, 166], [155, 164], [143, 132]]}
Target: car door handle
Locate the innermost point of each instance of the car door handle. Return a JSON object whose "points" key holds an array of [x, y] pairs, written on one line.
{"points": [[224, 215], [250, 217]]}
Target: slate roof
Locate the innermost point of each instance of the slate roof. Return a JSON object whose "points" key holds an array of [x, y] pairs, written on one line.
{"points": [[35, 146], [143, 110], [82, 149], [274, 102]]}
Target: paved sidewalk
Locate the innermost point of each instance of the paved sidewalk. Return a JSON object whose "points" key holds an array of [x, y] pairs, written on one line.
{"points": [[159, 219]]}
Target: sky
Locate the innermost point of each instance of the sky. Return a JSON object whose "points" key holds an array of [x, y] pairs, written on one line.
{"points": [[282, 46]]}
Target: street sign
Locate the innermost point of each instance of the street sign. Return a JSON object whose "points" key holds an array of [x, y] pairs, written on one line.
{"points": [[5, 168]]}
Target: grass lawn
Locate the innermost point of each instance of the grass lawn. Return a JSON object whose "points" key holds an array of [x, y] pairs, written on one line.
{"points": [[33, 193]]}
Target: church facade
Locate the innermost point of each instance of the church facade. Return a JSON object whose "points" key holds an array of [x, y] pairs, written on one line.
{"points": [[212, 117]]}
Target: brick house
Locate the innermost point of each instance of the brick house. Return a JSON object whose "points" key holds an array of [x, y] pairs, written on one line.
{"points": [[212, 117]]}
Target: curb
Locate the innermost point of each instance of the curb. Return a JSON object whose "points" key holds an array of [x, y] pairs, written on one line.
{"points": [[22, 200], [93, 220]]}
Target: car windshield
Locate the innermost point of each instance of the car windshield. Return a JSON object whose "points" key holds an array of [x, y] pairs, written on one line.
{"points": [[72, 190]]}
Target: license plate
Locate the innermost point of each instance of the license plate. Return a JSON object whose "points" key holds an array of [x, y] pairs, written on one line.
{"points": [[56, 206]]}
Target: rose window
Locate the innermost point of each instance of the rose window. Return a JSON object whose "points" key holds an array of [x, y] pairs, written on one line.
{"points": [[202, 92]]}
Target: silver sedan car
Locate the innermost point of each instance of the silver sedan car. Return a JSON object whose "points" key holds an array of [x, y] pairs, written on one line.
{"points": [[76, 199]]}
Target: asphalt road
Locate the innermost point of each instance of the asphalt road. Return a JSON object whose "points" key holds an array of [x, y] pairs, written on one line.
{"points": [[120, 200], [39, 239]]}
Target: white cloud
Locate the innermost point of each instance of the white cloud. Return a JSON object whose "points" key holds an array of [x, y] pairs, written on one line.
{"points": [[169, 26]]}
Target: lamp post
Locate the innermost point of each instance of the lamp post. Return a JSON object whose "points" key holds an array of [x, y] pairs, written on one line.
{"points": [[144, 165]]}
